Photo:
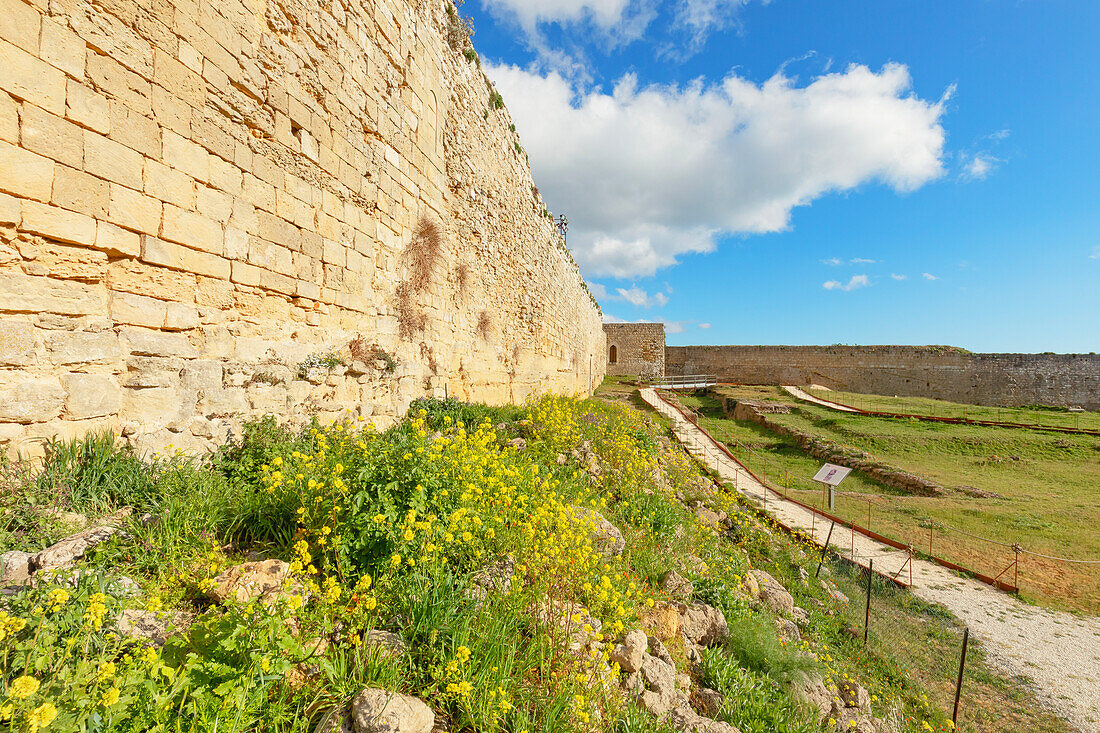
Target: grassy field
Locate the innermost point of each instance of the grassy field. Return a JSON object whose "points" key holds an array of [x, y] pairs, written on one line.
{"points": [[1038, 415], [1012, 486]]}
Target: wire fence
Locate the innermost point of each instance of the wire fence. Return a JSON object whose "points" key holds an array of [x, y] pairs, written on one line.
{"points": [[1009, 566], [932, 646]]}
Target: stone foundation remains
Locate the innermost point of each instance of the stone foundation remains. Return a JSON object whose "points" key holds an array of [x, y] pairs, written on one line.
{"points": [[216, 210], [939, 372]]}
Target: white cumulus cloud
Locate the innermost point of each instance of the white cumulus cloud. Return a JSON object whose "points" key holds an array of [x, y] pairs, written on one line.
{"points": [[704, 325], [856, 282], [898, 277], [531, 13], [700, 18], [648, 173], [832, 261], [673, 326], [862, 261], [929, 276], [978, 167], [638, 297]]}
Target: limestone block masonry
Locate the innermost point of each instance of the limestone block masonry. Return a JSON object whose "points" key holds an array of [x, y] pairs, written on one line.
{"points": [[636, 349], [212, 210], [939, 372]]}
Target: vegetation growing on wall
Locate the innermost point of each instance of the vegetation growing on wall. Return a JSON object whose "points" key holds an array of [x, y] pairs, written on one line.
{"points": [[420, 259], [370, 353], [459, 30]]}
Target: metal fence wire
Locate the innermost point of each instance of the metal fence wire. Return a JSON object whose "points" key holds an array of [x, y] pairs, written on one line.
{"points": [[1010, 566], [935, 644]]}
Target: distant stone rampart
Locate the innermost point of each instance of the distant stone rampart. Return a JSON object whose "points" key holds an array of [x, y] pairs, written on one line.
{"points": [[220, 209], [912, 371]]}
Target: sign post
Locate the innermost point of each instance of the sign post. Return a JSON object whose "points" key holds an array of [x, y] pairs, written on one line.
{"points": [[830, 477]]}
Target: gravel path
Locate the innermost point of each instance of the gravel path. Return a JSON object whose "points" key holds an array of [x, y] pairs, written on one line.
{"points": [[804, 395], [1057, 653]]}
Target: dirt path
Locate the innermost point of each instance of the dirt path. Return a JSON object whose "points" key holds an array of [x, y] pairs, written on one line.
{"points": [[804, 395], [1059, 653]]}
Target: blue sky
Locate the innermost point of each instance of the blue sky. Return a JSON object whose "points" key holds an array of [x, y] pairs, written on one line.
{"points": [[799, 171]]}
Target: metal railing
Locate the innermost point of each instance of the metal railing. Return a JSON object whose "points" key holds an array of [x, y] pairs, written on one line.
{"points": [[685, 381]]}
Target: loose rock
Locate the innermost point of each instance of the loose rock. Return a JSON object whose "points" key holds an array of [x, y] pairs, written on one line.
{"points": [[708, 702], [375, 710], [15, 567], [64, 553], [687, 720], [677, 585], [604, 534], [812, 692], [628, 655], [710, 517], [250, 581], [389, 643], [653, 685], [156, 627], [495, 577], [854, 695], [704, 625], [788, 631], [773, 593]]}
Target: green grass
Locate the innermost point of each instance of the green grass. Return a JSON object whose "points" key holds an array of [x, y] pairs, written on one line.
{"points": [[1044, 486], [230, 672], [1037, 415]]}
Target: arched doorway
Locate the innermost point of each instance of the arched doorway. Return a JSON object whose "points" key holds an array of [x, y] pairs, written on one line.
{"points": [[614, 355]]}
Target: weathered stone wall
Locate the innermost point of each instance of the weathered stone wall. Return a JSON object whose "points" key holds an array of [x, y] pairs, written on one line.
{"points": [[639, 349], [198, 197], [913, 371]]}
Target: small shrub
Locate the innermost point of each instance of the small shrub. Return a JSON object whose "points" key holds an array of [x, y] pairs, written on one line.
{"points": [[470, 54], [261, 440], [368, 353], [496, 101], [470, 414], [66, 669], [459, 30], [330, 360], [410, 319], [518, 147], [423, 253], [753, 643], [420, 257]]}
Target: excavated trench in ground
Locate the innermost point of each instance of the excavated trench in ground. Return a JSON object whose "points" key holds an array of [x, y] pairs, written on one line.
{"points": [[1056, 653]]}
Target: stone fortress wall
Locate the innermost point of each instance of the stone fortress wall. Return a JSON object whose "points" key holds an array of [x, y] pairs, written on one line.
{"points": [[639, 349], [201, 201], [911, 371]]}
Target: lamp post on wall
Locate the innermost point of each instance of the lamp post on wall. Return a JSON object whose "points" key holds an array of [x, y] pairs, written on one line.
{"points": [[563, 225]]}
